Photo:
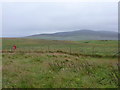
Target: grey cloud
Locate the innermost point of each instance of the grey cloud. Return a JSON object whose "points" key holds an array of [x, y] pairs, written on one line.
{"points": [[22, 19]]}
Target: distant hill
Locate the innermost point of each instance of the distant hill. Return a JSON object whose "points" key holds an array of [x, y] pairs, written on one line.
{"points": [[78, 35]]}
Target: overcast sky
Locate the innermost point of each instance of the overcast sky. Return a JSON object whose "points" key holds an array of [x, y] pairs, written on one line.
{"points": [[23, 19]]}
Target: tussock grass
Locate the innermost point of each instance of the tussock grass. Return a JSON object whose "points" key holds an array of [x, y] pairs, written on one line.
{"points": [[59, 64], [58, 70]]}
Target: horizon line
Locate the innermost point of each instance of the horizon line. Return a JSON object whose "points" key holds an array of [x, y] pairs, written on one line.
{"points": [[53, 33]]}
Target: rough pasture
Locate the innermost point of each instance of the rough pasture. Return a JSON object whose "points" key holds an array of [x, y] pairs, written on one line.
{"points": [[59, 64]]}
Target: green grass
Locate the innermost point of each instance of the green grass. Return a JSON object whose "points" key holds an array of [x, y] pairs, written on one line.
{"points": [[50, 64], [103, 48]]}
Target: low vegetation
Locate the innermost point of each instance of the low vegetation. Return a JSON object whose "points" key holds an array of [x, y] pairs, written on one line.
{"points": [[60, 64]]}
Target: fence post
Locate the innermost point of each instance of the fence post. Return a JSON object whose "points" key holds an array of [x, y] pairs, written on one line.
{"points": [[93, 50], [48, 48], [70, 49]]}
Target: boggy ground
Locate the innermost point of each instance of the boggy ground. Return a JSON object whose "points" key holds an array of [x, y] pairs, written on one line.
{"points": [[59, 64], [58, 70]]}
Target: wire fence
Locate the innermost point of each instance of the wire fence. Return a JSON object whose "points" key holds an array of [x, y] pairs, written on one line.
{"points": [[69, 49]]}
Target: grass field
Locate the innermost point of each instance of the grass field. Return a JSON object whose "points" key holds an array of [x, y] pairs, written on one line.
{"points": [[59, 64]]}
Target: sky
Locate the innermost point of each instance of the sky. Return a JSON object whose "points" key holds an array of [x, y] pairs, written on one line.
{"points": [[24, 19]]}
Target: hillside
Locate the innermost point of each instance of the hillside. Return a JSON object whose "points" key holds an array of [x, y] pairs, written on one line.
{"points": [[78, 35], [40, 63]]}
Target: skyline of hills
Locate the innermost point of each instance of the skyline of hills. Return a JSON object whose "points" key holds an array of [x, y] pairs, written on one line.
{"points": [[78, 35]]}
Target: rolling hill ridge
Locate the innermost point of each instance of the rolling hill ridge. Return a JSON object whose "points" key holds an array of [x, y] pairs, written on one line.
{"points": [[78, 35]]}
